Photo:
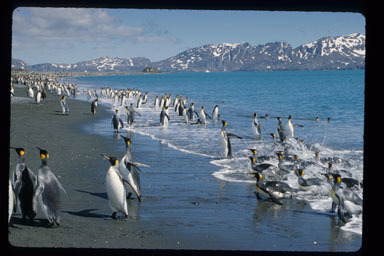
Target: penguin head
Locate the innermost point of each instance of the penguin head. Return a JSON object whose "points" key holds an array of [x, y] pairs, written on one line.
{"points": [[278, 118], [224, 123], [19, 151], [328, 176], [113, 160], [43, 153], [296, 157], [253, 160], [336, 178], [127, 140], [62, 97], [254, 152], [116, 111], [317, 154], [330, 165], [202, 107], [279, 155], [258, 176], [273, 135], [289, 117], [255, 115], [299, 172]]}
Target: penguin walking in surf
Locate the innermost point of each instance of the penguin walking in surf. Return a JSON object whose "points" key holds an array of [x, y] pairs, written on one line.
{"points": [[164, 116], [24, 187], [94, 106], [191, 112], [64, 105], [47, 191], [256, 127], [225, 141], [129, 171], [203, 115], [117, 122], [280, 130], [290, 126], [215, 114], [115, 188]]}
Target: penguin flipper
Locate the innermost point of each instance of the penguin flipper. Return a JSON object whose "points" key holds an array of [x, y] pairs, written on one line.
{"points": [[234, 136], [274, 199], [208, 116], [121, 123], [127, 182]]}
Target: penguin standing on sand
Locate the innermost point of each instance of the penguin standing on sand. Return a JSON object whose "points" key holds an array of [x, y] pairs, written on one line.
{"points": [[256, 127], [24, 186], [30, 92], [129, 171], [225, 141], [117, 122], [115, 188], [64, 105], [215, 114], [47, 191], [94, 106], [164, 116]]}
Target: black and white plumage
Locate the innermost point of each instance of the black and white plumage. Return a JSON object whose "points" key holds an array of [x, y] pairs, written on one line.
{"points": [[348, 197], [280, 130], [272, 190], [203, 115], [24, 186], [306, 184], [94, 106], [215, 114], [256, 127], [47, 191], [129, 171], [117, 122], [164, 116], [225, 141], [64, 106]]}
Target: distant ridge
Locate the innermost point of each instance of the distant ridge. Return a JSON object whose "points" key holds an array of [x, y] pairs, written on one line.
{"points": [[328, 53]]}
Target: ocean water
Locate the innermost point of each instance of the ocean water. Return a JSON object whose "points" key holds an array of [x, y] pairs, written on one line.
{"points": [[305, 95]]}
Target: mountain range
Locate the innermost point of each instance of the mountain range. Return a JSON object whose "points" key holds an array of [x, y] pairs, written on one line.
{"points": [[328, 53]]}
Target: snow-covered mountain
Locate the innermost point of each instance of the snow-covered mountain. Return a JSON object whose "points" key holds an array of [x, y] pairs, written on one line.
{"points": [[341, 52], [103, 64]]}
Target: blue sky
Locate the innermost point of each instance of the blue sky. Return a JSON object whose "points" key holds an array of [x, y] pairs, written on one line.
{"points": [[68, 35]]}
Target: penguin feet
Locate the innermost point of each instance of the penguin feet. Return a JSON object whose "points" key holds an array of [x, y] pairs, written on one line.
{"points": [[129, 195], [114, 216]]}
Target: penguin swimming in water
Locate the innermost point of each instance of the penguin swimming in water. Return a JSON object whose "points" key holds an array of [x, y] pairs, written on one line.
{"points": [[273, 190], [64, 105], [225, 141], [256, 127], [164, 116], [115, 188], [94, 106], [129, 171], [215, 114], [47, 190], [306, 184], [117, 122], [24, 186]]}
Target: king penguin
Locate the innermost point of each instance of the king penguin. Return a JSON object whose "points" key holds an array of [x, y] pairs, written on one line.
{"points": [[129, 171], [47, 192], [12, 204], [94, 106], [24, 186], [164, 116], [337, 193], [225, 141], [280, 130], [256, 127], [115, 188], [203, 115], [291, 130], [273, 190], [64, 105], [215, 114], [117, 122]]}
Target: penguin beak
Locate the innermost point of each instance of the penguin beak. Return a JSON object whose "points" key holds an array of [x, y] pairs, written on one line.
{"points": [[106, 157]]}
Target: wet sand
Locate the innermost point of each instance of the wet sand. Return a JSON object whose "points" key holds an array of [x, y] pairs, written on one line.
{"points": [[183, 205]]}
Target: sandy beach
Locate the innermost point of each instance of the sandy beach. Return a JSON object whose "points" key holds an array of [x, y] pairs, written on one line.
{"points": [[183, 205]]}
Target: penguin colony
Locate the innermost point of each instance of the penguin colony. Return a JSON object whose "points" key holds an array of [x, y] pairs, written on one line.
{"points": [[123, 179]]}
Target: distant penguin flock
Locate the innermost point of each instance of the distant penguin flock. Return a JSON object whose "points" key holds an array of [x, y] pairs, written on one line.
{"points": [[42, 191]]}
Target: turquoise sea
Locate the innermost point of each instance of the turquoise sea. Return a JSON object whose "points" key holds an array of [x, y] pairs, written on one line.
{"points": [[305, 95]]}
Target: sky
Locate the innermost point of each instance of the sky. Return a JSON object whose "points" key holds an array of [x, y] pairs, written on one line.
{"points": [[70, 35]]}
